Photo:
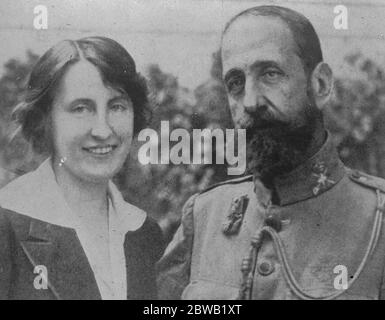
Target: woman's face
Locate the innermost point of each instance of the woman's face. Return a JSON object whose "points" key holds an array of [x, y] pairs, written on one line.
{"points": [[92, 124]]}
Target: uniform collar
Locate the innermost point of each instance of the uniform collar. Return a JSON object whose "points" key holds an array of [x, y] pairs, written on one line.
{"points": [[37, 195], [312, 178]]}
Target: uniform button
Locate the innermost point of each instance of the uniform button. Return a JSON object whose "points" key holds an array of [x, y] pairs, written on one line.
{"points": [[265, 268]]}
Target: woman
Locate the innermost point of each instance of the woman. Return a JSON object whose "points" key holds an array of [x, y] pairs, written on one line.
{"points": [[65, 230]]}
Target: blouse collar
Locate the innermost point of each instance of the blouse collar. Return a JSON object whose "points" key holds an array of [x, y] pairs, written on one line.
{"points": [[37, 195]]}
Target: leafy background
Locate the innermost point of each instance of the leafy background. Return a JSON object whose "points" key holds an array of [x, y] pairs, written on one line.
{"points": [[355, 117]]}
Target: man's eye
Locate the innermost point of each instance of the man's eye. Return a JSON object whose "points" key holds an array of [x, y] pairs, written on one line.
{"points": [[272, 75], [236, 84]]}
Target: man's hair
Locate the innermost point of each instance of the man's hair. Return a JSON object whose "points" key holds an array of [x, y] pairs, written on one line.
{"points": [[305, 37], [115, 65]]}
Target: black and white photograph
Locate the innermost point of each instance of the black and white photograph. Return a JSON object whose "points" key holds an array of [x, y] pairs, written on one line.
{"points": [[192, 150]]}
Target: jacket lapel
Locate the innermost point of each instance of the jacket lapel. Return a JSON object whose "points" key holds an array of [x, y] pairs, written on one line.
{"points": [[142, 248], [52, 241], [69, 274]]}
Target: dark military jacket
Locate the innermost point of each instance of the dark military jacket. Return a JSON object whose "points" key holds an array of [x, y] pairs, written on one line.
{"points": [[323, 240]]}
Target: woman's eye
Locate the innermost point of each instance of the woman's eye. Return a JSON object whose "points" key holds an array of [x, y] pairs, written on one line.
{"points": [[80, 108], [118, 107]]}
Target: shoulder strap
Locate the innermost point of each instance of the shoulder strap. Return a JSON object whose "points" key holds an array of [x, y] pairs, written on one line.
{"points": [[232, 181], [367, 180]]}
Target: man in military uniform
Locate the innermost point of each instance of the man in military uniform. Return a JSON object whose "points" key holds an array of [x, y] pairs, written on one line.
{"points": [[301, 226]]}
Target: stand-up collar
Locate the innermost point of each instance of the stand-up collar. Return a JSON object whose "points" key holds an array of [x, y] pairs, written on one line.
{"points": [[315, 176]]}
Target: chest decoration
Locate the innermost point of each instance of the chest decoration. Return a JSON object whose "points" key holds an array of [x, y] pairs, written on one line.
{"points": [[234, 218]]}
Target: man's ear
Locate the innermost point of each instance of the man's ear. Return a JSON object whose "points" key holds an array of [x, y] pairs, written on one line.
{"points": [[322, 84]]}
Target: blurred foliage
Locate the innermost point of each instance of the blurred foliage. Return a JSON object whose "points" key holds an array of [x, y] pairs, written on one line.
{"points": [[162, 189], [16, 154], [355, 117]]}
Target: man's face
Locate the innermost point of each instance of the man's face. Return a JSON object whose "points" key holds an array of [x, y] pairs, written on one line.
{"points": [[267, 88]]}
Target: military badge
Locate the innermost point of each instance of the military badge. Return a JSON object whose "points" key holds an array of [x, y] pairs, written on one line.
{"points": [[235, 215], [321, 173]]}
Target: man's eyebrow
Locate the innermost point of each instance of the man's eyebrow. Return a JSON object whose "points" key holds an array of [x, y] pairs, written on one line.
{"points": [[264, 64], [231, 72], [256, 65]]}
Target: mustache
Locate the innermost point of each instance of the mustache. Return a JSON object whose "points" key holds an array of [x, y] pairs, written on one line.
{"points": [[265, 122], [263, 117]]}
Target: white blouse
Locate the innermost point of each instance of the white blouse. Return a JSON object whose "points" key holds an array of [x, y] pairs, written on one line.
{"points": [[37, 195]]}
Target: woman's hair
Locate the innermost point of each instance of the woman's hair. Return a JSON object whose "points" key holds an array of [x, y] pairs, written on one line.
{"points": [[117, 69]]}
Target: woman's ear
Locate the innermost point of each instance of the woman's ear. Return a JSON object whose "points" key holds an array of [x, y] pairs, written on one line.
{"points": [[322, 84]]}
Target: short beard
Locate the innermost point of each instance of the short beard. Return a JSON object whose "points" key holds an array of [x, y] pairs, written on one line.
{"points": [[277, 149]]}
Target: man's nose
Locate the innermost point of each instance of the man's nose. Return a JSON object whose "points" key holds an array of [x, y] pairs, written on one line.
{"points": [[101, 128], [253, 98]]}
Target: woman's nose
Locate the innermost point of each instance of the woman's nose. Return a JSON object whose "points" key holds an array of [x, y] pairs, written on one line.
{"points": [[101, 128]]}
